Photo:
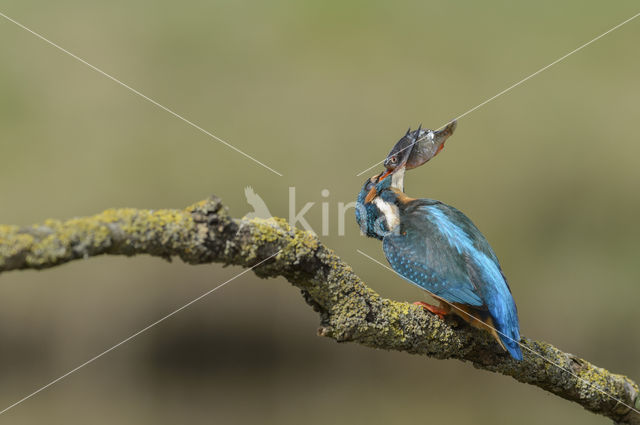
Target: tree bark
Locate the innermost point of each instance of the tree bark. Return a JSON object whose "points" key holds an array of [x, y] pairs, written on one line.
{"points": [[348, 309]]}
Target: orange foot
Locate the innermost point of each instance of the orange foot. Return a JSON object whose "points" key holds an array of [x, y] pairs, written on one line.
{"points": [[438, 311]]}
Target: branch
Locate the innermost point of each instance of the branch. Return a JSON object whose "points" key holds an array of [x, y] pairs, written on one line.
{"points": [[349, 310]]}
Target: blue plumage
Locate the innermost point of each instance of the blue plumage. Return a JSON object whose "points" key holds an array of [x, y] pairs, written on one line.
{"points": [[437, 248]]}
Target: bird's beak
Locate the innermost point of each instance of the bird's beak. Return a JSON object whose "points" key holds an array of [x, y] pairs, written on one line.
{"points": [[397, 182], [385, 174], [370, 195]]}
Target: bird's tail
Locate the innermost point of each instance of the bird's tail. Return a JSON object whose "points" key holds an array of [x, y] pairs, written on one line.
{"points": [[510, 339], [505, 321], [507, 336]]}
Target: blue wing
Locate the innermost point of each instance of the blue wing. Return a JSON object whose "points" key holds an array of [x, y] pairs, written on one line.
{"points": [[439, 249], [426, 255]]}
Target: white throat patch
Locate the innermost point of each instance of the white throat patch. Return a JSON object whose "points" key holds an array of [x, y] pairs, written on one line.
{"points": [[389, 211]]}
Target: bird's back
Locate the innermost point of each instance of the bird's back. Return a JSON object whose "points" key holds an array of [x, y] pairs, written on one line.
{"points": [[439, 248]]}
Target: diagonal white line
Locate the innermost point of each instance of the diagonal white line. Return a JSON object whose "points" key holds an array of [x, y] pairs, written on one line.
{"points": [[544, 68], [91, 360], [131, 89], [595, 387]]}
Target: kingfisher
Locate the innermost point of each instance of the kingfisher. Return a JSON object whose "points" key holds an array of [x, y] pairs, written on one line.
{"points": [[437, 248]]}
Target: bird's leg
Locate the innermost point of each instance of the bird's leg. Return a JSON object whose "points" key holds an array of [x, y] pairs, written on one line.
{"points": [[439, 310]]}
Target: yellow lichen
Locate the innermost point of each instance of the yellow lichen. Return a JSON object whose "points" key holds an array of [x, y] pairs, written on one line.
{"points": [[350, 310]]}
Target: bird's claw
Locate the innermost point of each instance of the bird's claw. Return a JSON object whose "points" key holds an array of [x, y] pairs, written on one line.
{"points": [[438, 311]]}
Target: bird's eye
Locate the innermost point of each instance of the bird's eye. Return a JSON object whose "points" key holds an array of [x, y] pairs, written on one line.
{"points": [[393, 159]]}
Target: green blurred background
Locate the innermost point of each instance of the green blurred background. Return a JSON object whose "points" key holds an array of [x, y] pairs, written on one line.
{"points": [[319, 91]]}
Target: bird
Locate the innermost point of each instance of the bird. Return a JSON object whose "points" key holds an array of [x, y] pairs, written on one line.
{"points": [[437, 248], [260, 209]]}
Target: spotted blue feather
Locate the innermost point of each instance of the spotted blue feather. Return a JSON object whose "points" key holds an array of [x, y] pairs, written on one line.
{"points": [[438, 248]]}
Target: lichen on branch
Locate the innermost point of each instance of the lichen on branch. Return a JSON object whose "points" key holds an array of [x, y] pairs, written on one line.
{"points": [[348, 309]]}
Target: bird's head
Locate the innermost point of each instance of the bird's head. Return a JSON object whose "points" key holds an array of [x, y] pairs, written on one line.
{"points": [[376, 185], [376, 212]]}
